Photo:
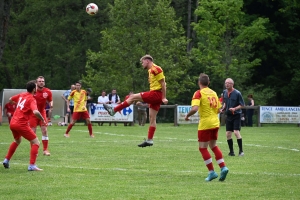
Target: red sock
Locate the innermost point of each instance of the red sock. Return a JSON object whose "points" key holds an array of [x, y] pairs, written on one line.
{"points": [[45, 144], [69, 128], [121, 106], [151, 132], [218, 156], [207, 158], [33, 153], [90, 129], [12, 148]]}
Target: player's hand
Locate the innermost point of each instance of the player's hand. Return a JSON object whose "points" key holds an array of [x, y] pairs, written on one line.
{"points": [[186, 118], [165, 101]]}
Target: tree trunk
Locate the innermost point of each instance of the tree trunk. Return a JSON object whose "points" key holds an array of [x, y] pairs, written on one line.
{"points": [[4, 18]]}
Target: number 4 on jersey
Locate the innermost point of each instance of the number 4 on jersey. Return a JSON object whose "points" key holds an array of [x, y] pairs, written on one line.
{"points": [[21, 103]]}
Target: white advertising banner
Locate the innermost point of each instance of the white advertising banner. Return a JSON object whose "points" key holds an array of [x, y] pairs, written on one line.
{"points": [[182, 111], [101, 115], [279, 114]]}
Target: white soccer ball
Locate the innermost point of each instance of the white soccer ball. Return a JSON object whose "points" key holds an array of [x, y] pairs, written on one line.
{"points": [[92, 9]]}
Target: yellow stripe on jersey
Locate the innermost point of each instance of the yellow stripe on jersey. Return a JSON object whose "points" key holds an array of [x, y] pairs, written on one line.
{"points": [[79, 100], [155, 75], [209, 104]]}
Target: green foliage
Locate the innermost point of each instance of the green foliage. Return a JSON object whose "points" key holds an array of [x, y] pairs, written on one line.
{"points": [[226, 41], [137, 28], [262, 95]]}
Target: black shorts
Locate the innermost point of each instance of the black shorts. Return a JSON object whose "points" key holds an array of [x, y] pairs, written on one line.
{"points": [[233, 122]]}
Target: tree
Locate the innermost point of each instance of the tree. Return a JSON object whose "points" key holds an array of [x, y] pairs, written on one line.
{"points": [[226, 40], [139, 27]]}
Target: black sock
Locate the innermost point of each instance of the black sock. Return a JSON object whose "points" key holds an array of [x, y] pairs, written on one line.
{"points": [[240, 143], [230, 145]]}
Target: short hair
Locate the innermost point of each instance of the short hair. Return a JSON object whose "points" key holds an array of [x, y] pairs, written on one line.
{"points": [[78, 82], [30, 86], [40, 77], [204, 79], [250, 96], [147, 56], [89, 90]]}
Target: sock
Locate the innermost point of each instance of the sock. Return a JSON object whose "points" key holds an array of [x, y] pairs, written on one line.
{"points": [[240, 143], [121, 106], [90, 129], [207, 158], [69, 128], [151, 132], [230, 145], [45, 142], [218, 156], [33, 153], [12, 148]]}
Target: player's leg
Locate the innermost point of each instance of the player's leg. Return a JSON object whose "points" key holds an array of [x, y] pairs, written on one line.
{"points": [[76, 116], [35, 144], [45, 137], [229, 130], [203, 139], [85, 115], [132, 98], [13, 146], [237, 128], [152, 127]]}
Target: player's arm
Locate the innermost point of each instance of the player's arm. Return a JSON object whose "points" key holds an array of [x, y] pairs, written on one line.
{"points": [[163, 90], [39, 115], [192, 112]]}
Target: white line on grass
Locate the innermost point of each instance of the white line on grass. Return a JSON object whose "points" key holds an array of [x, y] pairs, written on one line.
{"points": [[151, 171], [168, 139]]}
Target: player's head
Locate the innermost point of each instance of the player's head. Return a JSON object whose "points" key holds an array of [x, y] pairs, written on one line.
{"points": [[203, 80], [78, 85], [73, 87], [229, 83], [31, 86], [40, 81], [146, 61]]}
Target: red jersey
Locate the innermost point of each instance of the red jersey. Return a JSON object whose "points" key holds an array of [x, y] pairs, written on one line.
{"points": [[25, 105], [42, 96], [10, 108]]}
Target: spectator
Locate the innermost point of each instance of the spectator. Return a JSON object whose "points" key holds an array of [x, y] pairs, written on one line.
{"points": [[127, 96], [250, 111], [9, 110], [142, 112], [114, 98], [101, 100], [89, 100], [71, 106]]}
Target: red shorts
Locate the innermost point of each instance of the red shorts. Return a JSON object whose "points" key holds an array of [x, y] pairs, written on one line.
{"points": [[78, 115], [34, 121], [153, 98], [22, 130], [208, 135]]}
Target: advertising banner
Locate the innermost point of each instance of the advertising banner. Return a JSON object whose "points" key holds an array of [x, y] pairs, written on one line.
{"points": [[101, 115], [279, 114], [182, 111]]}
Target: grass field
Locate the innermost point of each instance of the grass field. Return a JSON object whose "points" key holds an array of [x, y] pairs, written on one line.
{"points": [[111, 166]]}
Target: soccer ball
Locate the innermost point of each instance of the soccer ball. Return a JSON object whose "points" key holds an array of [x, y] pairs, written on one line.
{"points": [[92, 9]]}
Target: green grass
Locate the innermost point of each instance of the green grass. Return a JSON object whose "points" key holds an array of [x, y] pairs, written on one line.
{"points": [[111, 166]]}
